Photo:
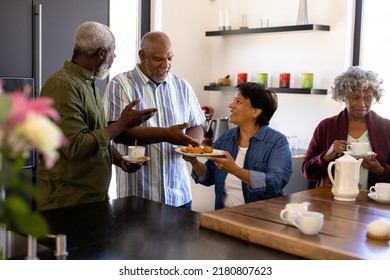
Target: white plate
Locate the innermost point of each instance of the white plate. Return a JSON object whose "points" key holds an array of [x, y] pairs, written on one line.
{"points": [[135, 160], [373, 196], [213, 154], [368, 154]]}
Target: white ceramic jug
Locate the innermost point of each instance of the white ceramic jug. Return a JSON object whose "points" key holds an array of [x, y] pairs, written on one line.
{"points": [[346, 179]]}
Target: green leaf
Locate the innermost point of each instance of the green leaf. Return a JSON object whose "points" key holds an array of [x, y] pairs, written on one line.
{"points": [[33, 223], [15, 210], [22, 220], [16, 205]]}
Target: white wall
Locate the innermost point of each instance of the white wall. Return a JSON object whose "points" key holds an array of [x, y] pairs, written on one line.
{"points": [[124, 24], [201, 59]]}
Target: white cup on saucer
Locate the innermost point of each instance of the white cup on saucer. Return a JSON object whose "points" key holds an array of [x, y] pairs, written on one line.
{"points": [[358, 148], [135, 152], [382, 190], [309, 222]]}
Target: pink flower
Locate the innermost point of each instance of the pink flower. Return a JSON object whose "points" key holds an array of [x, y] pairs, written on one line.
{"points": [[22, 106], [29, 123], [43, 135]]}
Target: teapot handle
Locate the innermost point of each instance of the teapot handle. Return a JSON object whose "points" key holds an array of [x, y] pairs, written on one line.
{"points": [[330, 172]]}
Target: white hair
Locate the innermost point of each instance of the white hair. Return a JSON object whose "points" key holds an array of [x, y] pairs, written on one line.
{"points": [[91, 36]]}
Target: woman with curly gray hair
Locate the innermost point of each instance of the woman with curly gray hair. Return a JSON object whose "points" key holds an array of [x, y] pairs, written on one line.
{"points": [[358, 89]]}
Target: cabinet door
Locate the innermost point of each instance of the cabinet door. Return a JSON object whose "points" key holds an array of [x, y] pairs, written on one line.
{"points": [[297, 182], [16, 38], [59, 20]]}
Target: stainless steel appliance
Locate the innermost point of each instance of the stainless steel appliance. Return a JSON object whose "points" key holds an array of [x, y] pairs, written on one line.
{"points": [[42, 39], [217, 127], [208, 113]]}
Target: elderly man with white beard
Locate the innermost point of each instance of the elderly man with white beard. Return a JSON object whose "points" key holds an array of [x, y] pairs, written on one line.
{"points": [[82, 173]]}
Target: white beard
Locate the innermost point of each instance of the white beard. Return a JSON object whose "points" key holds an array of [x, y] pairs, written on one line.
{"points": [[103, 71]]}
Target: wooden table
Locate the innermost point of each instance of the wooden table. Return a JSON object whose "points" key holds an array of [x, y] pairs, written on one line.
{"points": [[343, 235]]}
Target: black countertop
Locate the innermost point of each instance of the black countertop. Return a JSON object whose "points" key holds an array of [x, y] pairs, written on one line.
{"points": [[136, 228]]}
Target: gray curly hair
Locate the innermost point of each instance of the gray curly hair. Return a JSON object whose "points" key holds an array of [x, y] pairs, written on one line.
{"points": [[356, 78], [91, 36]]}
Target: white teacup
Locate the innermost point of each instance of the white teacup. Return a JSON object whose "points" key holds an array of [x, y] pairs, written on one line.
{"points": [[382, 190], [309, 222], [136, 151], [358, 148], [291, 210]]}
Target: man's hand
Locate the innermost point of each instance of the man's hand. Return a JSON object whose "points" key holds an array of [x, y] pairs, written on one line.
{"points": [[132, 117], [129, 118], [130, 167], [176, 135]]}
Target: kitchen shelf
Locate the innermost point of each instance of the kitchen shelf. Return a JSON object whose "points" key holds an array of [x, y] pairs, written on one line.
{"points": [[303, 27], [277, 90]]}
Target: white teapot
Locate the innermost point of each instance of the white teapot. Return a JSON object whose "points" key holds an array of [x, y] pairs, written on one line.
{"points": [[346, 180]]}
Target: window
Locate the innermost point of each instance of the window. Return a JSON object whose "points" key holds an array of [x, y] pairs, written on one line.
{"points": [[129, 21], [372, 44]]}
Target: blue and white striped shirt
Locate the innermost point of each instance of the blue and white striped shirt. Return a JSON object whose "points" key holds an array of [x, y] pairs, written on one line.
{"points": [[165, 178]]}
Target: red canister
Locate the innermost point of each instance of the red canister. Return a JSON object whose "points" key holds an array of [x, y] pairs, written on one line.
{"points": [[284, 80], [242, 78]]}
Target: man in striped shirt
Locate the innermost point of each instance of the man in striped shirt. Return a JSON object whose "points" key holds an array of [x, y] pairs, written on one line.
{"points": [[178, 121]]}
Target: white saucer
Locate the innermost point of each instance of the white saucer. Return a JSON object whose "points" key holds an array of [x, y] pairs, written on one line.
{"points": [[373, 196], [136, 160], [368, 154]]}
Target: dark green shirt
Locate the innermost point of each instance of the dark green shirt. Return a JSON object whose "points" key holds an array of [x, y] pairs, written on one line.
{"points": [[82, 173]]}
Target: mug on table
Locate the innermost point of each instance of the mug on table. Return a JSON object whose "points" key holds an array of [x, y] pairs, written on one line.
{"points": [[382, 190], [309, 222], [291, 210]]}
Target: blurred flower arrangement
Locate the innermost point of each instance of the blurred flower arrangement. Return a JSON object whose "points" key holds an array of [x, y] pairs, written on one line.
{"points": [[25, 124]]}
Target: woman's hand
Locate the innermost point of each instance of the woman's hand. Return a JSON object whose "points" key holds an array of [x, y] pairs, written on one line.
{"points": [[190, 159], [228, 165], [373, 165], [225, 163], [337, 149], [197, 166]]}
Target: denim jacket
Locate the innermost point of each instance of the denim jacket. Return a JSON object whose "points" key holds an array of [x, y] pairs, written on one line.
{"points": [[268, 160]]}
